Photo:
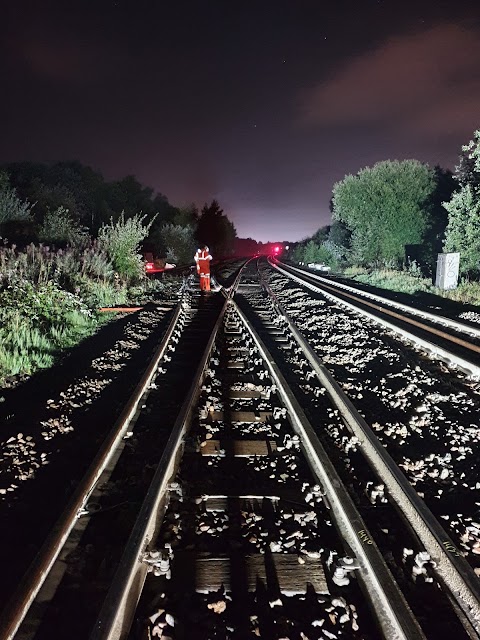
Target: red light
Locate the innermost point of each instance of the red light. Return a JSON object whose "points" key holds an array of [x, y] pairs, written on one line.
{"points": [[149, 266], [277, 249]]}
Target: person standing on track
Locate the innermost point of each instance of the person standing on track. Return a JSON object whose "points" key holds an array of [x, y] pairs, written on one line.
{"points": [[202, 258]]}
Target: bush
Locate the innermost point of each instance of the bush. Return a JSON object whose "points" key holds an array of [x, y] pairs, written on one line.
{"points": [[121, 241], [87, 272], [46, 304], [61, 229], [412, 281], [36, 322], [353, 272], [325, 253], [95, 262], [150, 290], [11, 207], [34, 264], [179, 242]]}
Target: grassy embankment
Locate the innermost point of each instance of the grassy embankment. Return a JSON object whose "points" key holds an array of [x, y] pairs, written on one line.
{"points": [[49, 302], [467, 292]]}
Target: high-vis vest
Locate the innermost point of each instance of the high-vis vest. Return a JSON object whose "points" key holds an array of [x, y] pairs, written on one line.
{"points": [[202, 258]]}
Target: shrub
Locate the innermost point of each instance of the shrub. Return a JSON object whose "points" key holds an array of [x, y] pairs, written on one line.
{"points": [[35, 264], [73, 268], [46, 303], [121, 241], [352, 272], [11, 207], [179, 242], [414, 270], [150, 290], [61, 229], [412, 281], [95, 262], [36, 322], [467, 292]]}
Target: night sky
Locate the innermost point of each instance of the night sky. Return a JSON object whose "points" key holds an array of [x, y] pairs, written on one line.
{"points": [[262, 105]]}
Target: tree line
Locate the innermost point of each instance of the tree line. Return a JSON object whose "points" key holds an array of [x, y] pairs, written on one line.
{"points": [[57, 203], [70, 244], [402, 212], [394, 213]]}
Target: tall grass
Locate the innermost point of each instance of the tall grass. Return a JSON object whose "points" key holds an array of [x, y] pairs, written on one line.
{"points": [[411, 281], [396, 280], [467, 292], [36, 323]]}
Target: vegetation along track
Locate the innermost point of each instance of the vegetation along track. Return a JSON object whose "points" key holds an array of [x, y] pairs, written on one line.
{"points": [[245, 528]]}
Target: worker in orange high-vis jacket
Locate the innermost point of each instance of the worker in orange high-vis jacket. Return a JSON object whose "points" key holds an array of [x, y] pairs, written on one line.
{"points": [[202, 258]]}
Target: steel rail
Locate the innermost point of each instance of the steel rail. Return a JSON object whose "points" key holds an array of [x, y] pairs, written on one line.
{"points": [[452, 570], [447, 322], [27, 590], [415, 323], [380, 589], [471, 369], [118, 609]]}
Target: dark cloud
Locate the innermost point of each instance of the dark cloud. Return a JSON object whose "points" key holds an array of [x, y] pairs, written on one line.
{"points": [[425, 84], [55, 52]]}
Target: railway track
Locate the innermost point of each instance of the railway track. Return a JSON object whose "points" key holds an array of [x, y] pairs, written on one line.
{"points": [[424, 413], [231, 514], [454, 342]]}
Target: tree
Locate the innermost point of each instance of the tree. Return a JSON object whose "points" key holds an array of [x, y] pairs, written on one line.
{"points": [[298, 253], [310, 252], [246, 247], [179, 242], [339, 234], [321, 234], [128, 196], [463, 229], [215, 230], [468, 169], [16, 217], [338, 243], [385, 207], [186, 216], [445, 185], [11, 207], [91, 201], [60, 229], [63, 184]]}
